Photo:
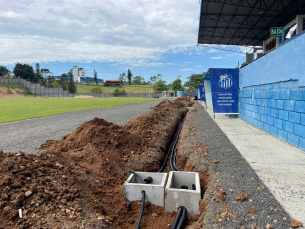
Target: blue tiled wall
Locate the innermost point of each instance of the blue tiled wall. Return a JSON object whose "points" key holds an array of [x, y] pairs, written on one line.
{"points": [[284, 63], [278, 108]]}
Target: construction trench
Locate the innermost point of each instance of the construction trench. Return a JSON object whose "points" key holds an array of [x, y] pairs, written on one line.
{"points": [[78, 181]]}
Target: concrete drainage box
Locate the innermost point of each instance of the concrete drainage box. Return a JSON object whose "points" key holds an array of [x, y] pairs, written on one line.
{"points": [[154, 191], [175, 196]]}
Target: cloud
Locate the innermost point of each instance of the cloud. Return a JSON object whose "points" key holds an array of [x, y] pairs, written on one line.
{"points": [[129, 32], [186, 63], [213, 50], [217, 57], [187, 69]]}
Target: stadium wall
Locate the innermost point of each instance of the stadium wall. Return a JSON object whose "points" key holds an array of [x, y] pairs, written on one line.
{"points": [[272, 93]]}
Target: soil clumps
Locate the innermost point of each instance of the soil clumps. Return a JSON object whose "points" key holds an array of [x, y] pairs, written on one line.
{"points": [[78, 181]]}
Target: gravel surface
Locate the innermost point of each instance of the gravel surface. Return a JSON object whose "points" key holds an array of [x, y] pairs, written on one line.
{"points": [[235, 176], [26, 135]]}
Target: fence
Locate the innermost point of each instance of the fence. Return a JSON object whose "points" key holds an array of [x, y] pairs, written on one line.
{"points": [[36, 88]]}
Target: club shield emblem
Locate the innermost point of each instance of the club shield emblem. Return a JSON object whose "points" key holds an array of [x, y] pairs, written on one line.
{"points": [[225, 81]]}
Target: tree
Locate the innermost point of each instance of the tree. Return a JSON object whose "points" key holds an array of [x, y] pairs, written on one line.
{"points": [[138, 80], [96, 90], [64, 78], [95, 77], [122, 77], [63, 81], [37, 74], [177, 84], [25, 71], [37, 69], [194, 80], [160, 86], [55, 84], [129, 76], [43, 81], [44, 72], [4, 71], [70, 73], [118, 91], [154, 79], [50, 81], [71, 87]]}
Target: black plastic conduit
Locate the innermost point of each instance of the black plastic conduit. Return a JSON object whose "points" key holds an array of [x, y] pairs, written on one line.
{"points": [[177, 219], [182, 211], [174, 149], [182, 220], [169, 150], [143, 198]]}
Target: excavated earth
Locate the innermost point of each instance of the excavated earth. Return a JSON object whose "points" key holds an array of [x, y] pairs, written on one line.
{"points": [[233, 196], [77, 182]]}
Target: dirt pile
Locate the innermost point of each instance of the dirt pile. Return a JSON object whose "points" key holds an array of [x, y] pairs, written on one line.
{"points": [[8, 93], [77, 181], [185, 101]]}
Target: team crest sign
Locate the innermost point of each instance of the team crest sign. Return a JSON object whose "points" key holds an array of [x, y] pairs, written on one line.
{"points": [[224, 87], [225, 81]]}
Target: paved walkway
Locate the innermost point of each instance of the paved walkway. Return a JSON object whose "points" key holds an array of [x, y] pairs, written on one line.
{"points": [[279, 165]]}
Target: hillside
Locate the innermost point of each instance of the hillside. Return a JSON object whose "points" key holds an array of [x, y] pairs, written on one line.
{"points": [[14, 91], [84, 89]]}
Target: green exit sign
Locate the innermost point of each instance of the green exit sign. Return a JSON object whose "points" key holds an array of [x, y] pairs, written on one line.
{"points": [[276, 31]]}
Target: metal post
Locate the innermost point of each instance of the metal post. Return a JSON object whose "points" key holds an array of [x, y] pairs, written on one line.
{"points": [[283, 37]]}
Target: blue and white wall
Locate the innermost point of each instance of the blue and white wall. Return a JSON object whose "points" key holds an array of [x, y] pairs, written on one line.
{"points": [[272, 92]]}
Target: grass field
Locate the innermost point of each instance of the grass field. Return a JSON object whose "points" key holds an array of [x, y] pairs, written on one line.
{"points": [[25, 108], [84, 89]]}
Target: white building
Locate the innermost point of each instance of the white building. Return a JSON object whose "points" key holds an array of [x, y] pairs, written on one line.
{"points": [[78, 73]]}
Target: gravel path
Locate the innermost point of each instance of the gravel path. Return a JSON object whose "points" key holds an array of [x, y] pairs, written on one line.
{"points": [[235, 176], [26, 135]]}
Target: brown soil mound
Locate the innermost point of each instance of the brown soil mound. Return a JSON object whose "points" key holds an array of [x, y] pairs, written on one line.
{"points": [[17, 93], [185, 100], [164, 103], [78, 181]]}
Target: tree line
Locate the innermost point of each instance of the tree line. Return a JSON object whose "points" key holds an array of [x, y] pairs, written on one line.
{"points": [[43, 76], [161, 85]]}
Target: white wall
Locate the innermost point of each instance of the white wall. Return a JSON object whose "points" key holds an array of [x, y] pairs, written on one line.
{"points": [[75, 73], [208, 92]]}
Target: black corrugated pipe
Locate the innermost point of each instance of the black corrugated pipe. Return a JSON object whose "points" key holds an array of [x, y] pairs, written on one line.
{"points": [[165, 159], [142, 209], [136, 174], [180, 218], [143, 198], [177, 219], [174, 149], [170, 150]]}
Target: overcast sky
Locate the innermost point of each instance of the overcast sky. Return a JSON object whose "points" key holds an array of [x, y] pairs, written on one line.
{"points": [[149, 37]]}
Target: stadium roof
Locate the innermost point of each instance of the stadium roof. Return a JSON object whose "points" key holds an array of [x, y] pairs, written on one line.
{"points": [[243, 23]]}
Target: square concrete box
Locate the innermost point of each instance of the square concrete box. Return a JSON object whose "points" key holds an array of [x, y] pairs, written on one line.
{"points": [[154, 192], [176, 197]]}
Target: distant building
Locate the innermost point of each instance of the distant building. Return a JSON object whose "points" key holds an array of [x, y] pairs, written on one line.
{"points": [[115, 83], [78, 73], [90, 80], [87, 79]]}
